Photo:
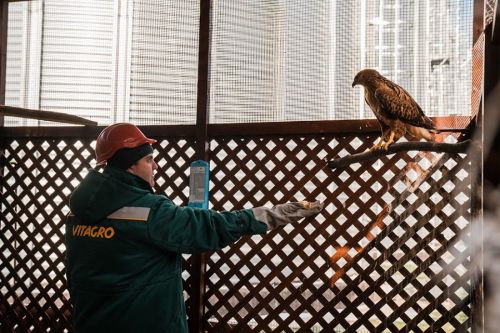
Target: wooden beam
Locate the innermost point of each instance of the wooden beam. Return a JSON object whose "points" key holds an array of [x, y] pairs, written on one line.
{"points": [[85, 132], [202, 152], [478, 20], [202, 112], [491, 65], [495, 37], [58, 117], [298, 128], [335, 127]]}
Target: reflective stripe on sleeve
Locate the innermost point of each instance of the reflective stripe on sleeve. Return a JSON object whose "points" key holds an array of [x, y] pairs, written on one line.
{"points": [[131, 213]]}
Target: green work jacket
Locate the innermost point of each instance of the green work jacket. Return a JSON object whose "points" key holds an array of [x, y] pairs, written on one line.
{"points": [[124, 246]]}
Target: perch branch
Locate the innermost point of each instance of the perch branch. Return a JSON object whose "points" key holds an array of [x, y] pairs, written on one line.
{"points": [[438, 147], [59, 117]]}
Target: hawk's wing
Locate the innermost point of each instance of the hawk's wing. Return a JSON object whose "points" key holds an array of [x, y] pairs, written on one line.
{"points": [[383, 125], [396, 103]]}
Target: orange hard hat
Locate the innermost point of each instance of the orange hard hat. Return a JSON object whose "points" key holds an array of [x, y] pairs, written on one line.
{"points": [[116, 137]]}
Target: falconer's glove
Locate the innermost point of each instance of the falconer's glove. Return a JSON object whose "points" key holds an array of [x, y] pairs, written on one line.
{"points": [[286, 213]]}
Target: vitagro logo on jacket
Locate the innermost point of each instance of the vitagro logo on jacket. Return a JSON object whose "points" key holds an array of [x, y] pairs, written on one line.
{"points": [[131, 214], [93, 231]]}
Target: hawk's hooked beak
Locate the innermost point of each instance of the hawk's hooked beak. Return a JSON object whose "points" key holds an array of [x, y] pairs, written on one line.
{"points": [[355, 82]]}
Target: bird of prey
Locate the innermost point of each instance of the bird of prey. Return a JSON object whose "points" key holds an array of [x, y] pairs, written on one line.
{"points": [[396, 111]]}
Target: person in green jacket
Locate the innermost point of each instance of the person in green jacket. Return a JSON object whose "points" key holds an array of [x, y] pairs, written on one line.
{"points": [[124, 242]]}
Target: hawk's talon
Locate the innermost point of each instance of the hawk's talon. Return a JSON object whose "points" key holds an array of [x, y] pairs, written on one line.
{"points": [[376, 146]]}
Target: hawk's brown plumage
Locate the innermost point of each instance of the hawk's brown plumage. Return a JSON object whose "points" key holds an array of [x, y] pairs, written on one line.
{"points": [[396, 111]]}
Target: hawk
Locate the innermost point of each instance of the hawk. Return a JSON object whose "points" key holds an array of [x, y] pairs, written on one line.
{"points": [[396, 111]]}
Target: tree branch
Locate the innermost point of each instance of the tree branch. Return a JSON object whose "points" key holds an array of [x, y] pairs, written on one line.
{"points": [[438, 147], [59, 117]]}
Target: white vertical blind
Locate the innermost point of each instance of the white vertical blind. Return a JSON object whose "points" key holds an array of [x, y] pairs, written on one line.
{"points": [[77, 63], [247, 60], [164, 62], [15, 59]]}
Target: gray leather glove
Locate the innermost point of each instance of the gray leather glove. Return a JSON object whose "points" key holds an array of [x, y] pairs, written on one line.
{"points": [[286, 213]]}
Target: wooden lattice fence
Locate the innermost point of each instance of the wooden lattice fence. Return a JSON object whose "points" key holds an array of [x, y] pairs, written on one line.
{"points": [[381, 257]]}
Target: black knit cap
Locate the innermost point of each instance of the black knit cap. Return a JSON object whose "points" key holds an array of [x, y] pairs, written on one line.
{"points": [[126, 157]]}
